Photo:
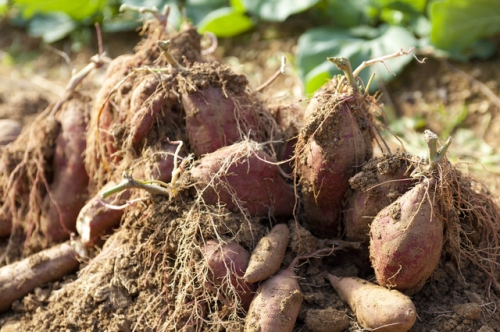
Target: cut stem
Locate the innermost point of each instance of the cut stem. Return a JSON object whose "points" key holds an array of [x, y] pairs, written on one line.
{"points": [[128, 182], [344, 65], [164, 45], [435, 154]]}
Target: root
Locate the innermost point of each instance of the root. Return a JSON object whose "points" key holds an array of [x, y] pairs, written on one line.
{"points": [[472, 220]]}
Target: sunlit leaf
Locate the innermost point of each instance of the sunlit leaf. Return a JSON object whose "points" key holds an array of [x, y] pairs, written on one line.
{"points": [[277, 10], [357, 45], [225, 22], [76, 9], [51, 27], [457, 24]]}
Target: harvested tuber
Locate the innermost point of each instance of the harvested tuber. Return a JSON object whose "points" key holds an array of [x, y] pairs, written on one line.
{"points": [[9, 130], [220, 109], [227, 263], [406, 239], [336, 140], [68, 191], [381, 181], [276, 305], [376, 308], [243, 176], [20, 278], [268, 254], [95, 219]]}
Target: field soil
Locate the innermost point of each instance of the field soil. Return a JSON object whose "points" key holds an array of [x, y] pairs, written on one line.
{"points": [[121, 285]]}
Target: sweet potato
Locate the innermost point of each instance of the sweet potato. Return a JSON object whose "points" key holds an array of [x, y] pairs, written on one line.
{"points": [[150, 103], [381, 181], [328, 158], [406, 239], [220, 114], [336, 140], [242, 175], [20, 278], [268, 255], [94, 219], [5, 225], [228, 262], [376, 308], [276, 305], [68, 191], [9, 130]]}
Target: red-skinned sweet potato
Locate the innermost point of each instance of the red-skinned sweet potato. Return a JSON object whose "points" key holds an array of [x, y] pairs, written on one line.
{"points": [[328, 158], [276, 305], [376, 308], [243, 172], [20, 278], [335, 142], [268, 254], [95, 219], [9, 130], [381, 181], [220, 110], [68, 191], [228, 263], [406, 239]]}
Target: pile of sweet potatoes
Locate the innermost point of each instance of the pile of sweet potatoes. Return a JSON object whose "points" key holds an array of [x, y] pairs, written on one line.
{"points": [[177, 146]]}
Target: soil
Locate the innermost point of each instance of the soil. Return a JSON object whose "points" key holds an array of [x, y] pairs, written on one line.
{"points": [[127, 285]]}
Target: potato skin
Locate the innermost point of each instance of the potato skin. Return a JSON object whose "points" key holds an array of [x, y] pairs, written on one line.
{"points": [[380, 183], [376, 308], [68, 190], [327, 160], [214, 121], [406, 239], [94, 219], [254, 180], [230, 261], [276, 305], [9, 131], [268, 255]]}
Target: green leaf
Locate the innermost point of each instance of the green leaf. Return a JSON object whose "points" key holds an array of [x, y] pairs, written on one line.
{"points": [[128, 20], [238, 5], [405, 5], [457, 24], [225, 22], [3, 7], [317, 77], [76, 9], [51, 27], [213, 3], [277, 10], [345, 14], [358, 45]]}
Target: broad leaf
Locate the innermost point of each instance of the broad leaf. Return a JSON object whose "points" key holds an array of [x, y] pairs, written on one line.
{"points": [[357, 45], [277, 10], [51, 27], [76, 9], [457, 24], [225, 22]]}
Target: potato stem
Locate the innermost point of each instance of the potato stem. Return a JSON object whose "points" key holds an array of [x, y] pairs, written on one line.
{"points": [[164, 45], [344, 65], [435, 154]]}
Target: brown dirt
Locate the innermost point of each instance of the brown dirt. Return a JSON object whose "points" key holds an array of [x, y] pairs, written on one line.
{"points": [[128, 285]]}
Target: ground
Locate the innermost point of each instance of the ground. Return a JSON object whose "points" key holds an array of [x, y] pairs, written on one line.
{"points": [[435, 93]]}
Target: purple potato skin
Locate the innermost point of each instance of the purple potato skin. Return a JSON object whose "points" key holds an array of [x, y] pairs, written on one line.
{"points": [[406, 240]]}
